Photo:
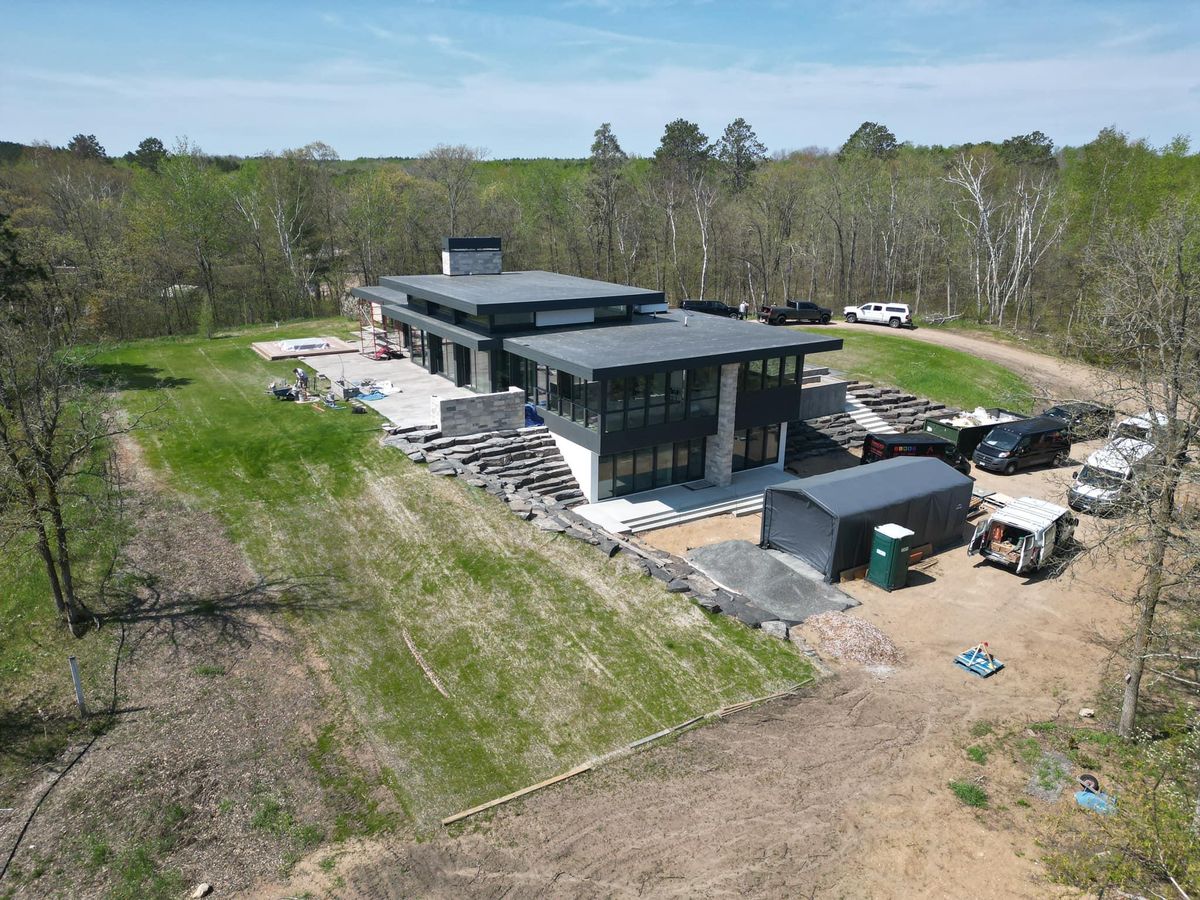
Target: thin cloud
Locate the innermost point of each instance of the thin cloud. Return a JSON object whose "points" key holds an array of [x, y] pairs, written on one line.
{"points": [[792, 106]]}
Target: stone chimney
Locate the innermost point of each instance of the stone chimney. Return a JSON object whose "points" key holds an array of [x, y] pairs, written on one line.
{"points": [[471, 256]]}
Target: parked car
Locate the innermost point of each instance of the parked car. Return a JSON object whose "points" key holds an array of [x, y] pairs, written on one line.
{"points": [[784, 315], [812, 312], [1105, 477], [1084, 420], [1019, 445], [894, 315], [878, 447], [1024, 535], [1151, 427], [712, 307]]}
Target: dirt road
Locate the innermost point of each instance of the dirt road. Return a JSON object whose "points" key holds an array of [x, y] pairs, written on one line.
{"points": [[1050, 375], [842, 792]]}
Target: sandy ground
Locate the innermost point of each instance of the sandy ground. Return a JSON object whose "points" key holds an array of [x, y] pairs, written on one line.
{"points": [[1059, 378], [841, 792]]}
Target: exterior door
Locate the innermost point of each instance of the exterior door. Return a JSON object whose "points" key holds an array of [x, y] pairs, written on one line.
{"points": [[462, 365], [978, 538], [1028, 553], [437, 365]]}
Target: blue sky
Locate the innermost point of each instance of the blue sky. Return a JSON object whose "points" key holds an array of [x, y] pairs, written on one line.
{"points": [[536, 79]]}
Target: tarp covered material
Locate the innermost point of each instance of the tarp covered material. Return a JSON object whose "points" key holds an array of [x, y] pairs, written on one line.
{"points": [[828, 520], [304, 344]]}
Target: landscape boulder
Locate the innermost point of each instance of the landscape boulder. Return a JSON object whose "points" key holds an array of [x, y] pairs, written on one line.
{"points": [[775, 629]]}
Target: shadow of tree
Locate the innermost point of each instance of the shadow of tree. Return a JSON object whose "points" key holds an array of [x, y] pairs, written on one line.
{"points": [[134, 376], [217, 620]]}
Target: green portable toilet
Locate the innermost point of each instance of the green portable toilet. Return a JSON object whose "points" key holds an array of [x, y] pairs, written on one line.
{"points": [[890, 547]]}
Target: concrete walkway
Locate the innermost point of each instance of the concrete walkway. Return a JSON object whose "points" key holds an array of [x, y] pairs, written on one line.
{"points": [[409, 404]]}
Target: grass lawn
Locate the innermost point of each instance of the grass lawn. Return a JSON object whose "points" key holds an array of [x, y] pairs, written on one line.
{"points": [[927, 370], [550, 653], [38, 716]]}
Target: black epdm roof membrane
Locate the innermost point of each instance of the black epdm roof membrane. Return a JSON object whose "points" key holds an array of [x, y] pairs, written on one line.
{"points": [[651, 343]]}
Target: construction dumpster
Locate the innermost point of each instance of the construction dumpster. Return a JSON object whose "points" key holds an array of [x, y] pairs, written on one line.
{"points": [[967, 429]]}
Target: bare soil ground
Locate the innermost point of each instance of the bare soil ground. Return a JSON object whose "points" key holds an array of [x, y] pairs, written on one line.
{"points": [[219, 764], [841, 792]]}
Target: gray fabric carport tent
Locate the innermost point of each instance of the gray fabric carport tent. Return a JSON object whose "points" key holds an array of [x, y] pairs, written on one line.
{"points": [[828, 520]]}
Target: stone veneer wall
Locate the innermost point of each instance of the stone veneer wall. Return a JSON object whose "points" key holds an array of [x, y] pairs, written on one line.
{"points": [[718, 451], [471, 262], [479, 413]]}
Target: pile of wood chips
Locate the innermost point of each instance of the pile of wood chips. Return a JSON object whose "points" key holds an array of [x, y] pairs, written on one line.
{"points": [[847, 638]]}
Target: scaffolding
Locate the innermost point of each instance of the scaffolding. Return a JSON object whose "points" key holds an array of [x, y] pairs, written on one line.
{"points": [[374, 340]]}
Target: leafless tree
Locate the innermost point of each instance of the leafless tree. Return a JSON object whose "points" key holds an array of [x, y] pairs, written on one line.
{"points": [[1146, 320], [454, 169], [1010, 228]]}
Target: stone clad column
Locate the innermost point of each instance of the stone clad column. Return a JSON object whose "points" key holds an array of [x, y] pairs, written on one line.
{"points": [[718, 448]]}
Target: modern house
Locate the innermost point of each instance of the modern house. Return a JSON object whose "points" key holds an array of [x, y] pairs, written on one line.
{"points": [[637, 396]]}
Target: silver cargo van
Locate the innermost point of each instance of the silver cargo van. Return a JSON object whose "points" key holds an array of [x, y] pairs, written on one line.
{"points": [[1024, 535]]}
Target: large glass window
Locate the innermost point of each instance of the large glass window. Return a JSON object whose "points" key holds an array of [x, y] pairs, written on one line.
{"points": [[417, 350], [764, 374], [703, 388], [755, 447], [611, 313], [512, 321], [650, 467], [638, 401]]}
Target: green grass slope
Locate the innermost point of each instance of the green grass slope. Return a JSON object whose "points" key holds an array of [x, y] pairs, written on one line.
{"points": [[549, 652], [927, 370]]}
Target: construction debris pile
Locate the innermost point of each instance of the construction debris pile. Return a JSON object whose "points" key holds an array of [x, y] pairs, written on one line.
{"points": [[839, 636]]}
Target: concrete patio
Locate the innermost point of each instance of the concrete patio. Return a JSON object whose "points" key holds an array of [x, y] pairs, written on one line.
{"points": [[684, 503], [409, 404]]}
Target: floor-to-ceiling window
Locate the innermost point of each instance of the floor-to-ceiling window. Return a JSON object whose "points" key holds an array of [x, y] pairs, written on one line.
{"points": [[650, 467], [637, 401], [754, 447]]}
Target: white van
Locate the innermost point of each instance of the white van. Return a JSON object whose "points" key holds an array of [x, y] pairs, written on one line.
{"points": [[1141, 427], [1102, 482], [1024, 535]]}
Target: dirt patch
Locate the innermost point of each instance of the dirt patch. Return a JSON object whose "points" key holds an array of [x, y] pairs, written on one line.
{"points": [[226, 759], [679, 539], [841, 792]]}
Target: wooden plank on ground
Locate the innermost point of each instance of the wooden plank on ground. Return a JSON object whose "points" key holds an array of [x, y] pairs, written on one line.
{"points": [[578, 770]]}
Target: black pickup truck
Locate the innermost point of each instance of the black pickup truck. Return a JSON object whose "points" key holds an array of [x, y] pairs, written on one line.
{"points": [[795, 311]]}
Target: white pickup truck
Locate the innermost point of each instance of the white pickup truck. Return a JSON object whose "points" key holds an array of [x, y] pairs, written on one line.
{"points": [[1024, 535], [894, 315]]}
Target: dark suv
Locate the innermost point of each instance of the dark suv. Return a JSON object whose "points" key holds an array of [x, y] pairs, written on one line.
{"points": [[798, 312], [712, 307], [1084, 420]]}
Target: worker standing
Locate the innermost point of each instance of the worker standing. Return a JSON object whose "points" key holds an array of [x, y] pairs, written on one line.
{"points": [[743, 308]]}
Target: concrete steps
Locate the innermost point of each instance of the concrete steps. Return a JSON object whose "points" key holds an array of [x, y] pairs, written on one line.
{"points": [[742, 506]]}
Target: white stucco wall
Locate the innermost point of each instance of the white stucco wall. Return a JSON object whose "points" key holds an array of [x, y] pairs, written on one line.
{"points": [[584, 465]]}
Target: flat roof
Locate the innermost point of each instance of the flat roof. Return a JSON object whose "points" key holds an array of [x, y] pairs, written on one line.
{"points": [[517, 291], [662, 342]]}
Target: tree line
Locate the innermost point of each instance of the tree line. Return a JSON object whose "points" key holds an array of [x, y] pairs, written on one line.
{"points": [[165, 241]]}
